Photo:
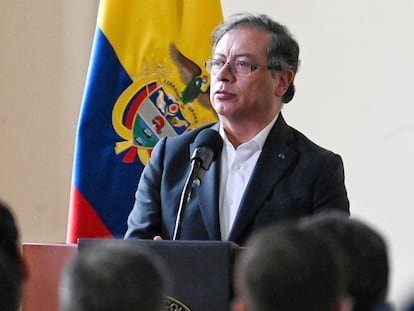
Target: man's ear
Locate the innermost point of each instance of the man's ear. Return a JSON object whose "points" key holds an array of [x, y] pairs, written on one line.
{"points": [[23, 267], [285, 79], [238, 304], [345, 304]]}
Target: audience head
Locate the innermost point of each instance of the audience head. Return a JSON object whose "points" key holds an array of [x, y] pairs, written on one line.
{"points": [[115, 275], [409, 304], [366, 258], [11, 268], [288, 268]]}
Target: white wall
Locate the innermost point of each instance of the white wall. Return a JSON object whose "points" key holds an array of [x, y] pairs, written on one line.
{"points": [[353, 96], [44, 54]]}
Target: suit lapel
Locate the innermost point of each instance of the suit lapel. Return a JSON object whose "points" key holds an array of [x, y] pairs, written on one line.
{"points": [[275, 158], [208, 197]]}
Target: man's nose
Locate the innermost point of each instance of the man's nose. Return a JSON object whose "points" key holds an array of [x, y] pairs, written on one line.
{"points": [[226, 72]]}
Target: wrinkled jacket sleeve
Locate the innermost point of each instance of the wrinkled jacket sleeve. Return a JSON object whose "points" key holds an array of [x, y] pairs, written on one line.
{"points": [[330, 191], [144, 221]]}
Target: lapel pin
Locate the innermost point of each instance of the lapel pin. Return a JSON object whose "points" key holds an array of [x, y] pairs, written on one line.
{"points": [[281, 156]]}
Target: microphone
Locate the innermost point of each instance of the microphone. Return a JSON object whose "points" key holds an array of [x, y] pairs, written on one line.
{"points": [[208, 145]]}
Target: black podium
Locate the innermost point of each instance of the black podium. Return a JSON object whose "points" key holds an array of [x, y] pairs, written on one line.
{"points": [[201, 271]]}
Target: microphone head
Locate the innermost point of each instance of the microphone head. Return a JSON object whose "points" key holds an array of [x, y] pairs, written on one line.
{"points": [[211, 139]]}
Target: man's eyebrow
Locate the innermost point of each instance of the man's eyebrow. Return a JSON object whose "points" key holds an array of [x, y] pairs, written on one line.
{"points": [[248, 55]]}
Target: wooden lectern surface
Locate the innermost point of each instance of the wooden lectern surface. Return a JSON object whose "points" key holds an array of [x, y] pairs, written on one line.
{"points": [[44, 264]]}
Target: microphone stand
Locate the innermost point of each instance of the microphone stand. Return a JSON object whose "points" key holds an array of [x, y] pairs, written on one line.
{"points": [[193, 181]]}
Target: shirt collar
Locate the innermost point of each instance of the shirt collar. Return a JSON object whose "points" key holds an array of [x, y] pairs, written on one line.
{"points": [[260, 138]]}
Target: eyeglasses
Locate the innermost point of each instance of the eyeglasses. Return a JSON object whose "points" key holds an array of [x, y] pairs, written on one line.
{"points": [[238, 67]]}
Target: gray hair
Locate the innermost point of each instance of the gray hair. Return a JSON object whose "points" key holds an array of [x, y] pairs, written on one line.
{"points": [[115, 275]]}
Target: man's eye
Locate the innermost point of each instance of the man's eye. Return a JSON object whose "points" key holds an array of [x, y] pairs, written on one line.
{"points": [[218, 63], [242, 64]]}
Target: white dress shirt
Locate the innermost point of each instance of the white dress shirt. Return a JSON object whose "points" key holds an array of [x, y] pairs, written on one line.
{"points": [[237, 165]]}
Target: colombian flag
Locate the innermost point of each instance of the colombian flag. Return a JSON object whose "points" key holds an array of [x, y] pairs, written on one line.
{"points": [[145, 80]]}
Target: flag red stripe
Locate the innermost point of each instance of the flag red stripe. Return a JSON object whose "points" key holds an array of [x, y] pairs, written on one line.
{"points": [[84, 222]]}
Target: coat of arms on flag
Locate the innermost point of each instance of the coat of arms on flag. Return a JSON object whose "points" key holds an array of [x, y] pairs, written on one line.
{"points": [[160, 103]]}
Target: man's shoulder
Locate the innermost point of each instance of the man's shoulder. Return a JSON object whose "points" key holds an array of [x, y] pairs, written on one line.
{"points": [[307, 143], [302, 143]]}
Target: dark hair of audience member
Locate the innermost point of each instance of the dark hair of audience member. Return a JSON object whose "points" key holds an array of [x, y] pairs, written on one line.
{"points": [[286, 268], [11, 268], [115, 275], [366, 258]]}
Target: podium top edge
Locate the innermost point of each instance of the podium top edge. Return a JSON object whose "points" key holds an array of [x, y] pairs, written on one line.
{"points": [[163, 242], [48, 244]]}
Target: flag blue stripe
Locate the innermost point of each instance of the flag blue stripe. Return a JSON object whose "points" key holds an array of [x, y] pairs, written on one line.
{"points": [[98, 172]]}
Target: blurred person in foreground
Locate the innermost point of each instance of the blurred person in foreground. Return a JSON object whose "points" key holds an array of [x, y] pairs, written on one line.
{"points": [[265, 171], [366, 258], [287, 268], [12, 269], [408, 305], [113, 276]]}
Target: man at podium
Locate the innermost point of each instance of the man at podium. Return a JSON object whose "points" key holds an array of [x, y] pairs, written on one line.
{"points": [[261, 170]]}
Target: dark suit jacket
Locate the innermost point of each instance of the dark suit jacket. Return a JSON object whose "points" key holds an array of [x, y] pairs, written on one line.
{"points": [[293, 178]]}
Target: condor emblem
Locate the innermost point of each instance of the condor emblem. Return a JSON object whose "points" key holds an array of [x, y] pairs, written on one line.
{"points": [[160, 102]]}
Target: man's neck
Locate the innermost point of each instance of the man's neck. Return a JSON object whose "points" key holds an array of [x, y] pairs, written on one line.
{"points": [[240, 132]]}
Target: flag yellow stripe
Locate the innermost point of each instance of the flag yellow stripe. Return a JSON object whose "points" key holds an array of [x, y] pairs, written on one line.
{"points": [[195, 33], [141, 31]]}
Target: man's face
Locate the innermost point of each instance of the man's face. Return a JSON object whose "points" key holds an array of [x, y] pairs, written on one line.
{"points": [[251, 97]]}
